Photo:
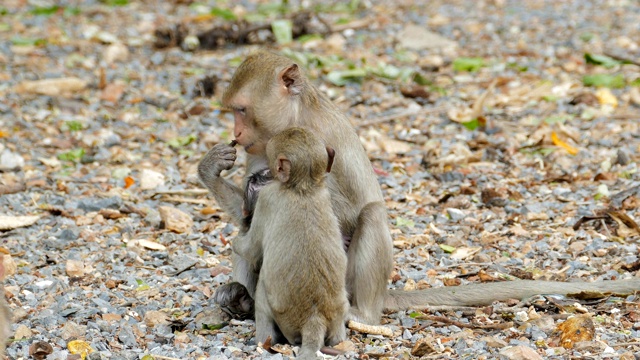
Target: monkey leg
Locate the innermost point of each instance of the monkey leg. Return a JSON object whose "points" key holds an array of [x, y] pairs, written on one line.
{"points": [[370, 261], [265, 323], [236, 298], [336, 333]]}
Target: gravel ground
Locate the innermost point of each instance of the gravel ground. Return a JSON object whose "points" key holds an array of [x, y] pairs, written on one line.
{"points": [[489, 141]]}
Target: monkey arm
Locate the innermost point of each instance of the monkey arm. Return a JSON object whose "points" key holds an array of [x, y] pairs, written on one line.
{"points": [[249, 247], [485, 294], [229, 197]]}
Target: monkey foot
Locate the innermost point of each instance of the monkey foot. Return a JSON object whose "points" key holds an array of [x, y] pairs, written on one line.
{"points": [[234, 299]]}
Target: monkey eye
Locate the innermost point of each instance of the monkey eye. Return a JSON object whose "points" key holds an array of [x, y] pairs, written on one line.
{"points": [[241, 110]]}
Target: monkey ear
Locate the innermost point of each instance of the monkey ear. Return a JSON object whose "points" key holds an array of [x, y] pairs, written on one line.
{"points": [[291, 79], [332, 154], [284, 168]]}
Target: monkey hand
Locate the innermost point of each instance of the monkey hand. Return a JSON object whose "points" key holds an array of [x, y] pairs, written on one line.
{"points": [[234, 299], [220, 157]]}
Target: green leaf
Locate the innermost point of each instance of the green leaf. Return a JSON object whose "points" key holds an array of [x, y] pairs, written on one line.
{"points": [[283, 31], [472, 125], [214, 326], [71, 11], [45, 10], [635, 82], [468, 64], [74, 125], [602, 60], [115, 2], [414, 314], [74, 155], [447, 248], [342, 77], [420, 79], [400, 221], [604, 80], [550, 98], [181, 141], [586, 37], [224, 13], [557, 119], [308, 37], [142, 286], [22, 41], [148, 357]]}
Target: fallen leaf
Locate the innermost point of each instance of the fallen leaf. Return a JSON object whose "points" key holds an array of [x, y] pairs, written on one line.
{"points": [[626, 225], [128, 182], [520, 352], [75, 268], [576, 329], [112, 92], [52, 87], [14, 222], [606, 97], [556, 141], [147, 244], [80, 347], [39, 350]]}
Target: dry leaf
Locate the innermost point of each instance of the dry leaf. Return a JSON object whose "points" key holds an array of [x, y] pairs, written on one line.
{"points": [[606, 97], [465, 252], [147, 244], [80, 347], [14, 222], [576, 329], [52, 87], [557, 142], [626, 225]]}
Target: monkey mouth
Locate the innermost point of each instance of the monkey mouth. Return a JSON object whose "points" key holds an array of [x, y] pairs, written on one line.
{"points": [[249, 146]]}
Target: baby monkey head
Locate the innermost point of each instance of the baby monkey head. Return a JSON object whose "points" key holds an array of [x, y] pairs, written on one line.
{"points": [[298, 158]]}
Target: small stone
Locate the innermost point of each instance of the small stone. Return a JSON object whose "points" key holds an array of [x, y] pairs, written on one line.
{"points": [[414, 37], [153, 318], [150, 179], [75, 268], [127, 337], [10, 161], [115, 52], [22, 332], [71, 330], [9, 264], [520, 353], [111, 317], [175, 219], [92, 204], [456, 214], [494, 342]]}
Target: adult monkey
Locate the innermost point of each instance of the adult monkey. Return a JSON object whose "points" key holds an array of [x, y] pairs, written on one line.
{"points": [[268, 94]]}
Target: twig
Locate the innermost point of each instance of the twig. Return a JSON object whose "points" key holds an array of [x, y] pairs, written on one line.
{"points": [[369, 329], [187, 192], [466, 310], [446, 320], [357, 24], [622, 58], [160, 357], [631, 343]]}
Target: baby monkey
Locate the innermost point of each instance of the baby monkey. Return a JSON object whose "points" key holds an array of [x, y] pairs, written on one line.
{"points": [[301, 292]]}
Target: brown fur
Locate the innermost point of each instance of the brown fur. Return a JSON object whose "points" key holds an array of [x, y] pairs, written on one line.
{"points": [[301, 288]]}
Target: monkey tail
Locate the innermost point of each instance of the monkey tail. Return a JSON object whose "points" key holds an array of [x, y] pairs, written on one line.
{"points": [[312, 332], [485, 294]]}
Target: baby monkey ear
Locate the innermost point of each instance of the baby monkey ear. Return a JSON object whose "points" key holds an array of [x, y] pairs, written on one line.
{"points": [[283, 168], [332, 154]]}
